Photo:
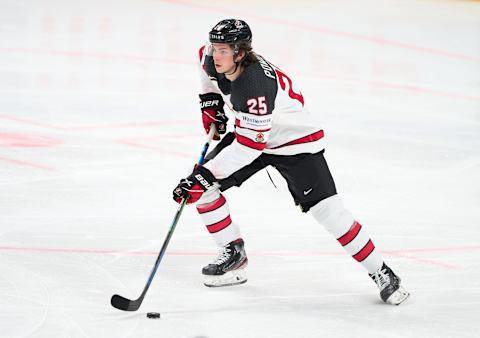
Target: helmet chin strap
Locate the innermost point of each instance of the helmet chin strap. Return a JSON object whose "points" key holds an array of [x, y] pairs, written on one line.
{"points": [[236, 63]]}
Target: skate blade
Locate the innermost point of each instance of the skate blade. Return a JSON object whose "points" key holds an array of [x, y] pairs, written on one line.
{"points": [[230, 278], [398, 297]]}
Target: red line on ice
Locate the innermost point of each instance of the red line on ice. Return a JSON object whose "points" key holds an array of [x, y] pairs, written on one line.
{"points": [[329, 31], [25, 163], [22, 140], [143, 124], [424, 261], [95, 55]]}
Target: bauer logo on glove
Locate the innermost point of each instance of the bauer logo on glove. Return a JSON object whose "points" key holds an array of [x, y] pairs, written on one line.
{"points": [[211, 105], [192, 187]]}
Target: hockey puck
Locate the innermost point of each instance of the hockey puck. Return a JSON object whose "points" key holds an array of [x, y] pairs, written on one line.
{"points": [[153, 315]]}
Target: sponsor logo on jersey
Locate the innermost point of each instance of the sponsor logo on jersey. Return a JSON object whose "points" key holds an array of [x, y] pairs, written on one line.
{"points": [[260, 138], [256, 122], [266, 68]]}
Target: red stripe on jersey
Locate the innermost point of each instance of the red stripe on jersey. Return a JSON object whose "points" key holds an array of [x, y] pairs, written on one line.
{"points": [[350, 235], [200, 52], [211, 206], [216, 227], [237, 124], [309, 138], [249, 143], [365, 252]]}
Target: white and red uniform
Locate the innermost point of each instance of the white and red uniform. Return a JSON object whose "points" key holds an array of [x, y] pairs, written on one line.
{"points": [[270, 115], [271, 119]]}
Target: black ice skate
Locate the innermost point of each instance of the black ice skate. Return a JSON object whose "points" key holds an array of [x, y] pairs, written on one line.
{"points": [[228, 268], [391, 291]]}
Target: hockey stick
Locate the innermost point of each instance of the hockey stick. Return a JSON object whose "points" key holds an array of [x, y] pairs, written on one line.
{"points": [[125, 304]]}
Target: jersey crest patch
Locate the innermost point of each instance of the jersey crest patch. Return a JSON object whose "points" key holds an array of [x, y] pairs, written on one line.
{"points": [[260, 138]]}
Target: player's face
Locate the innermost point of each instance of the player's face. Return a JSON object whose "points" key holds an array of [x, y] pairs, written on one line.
{"points": [[222, 57]]}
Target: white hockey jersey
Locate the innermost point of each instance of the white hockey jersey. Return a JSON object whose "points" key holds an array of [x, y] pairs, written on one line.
{"points": [[270, 115]]}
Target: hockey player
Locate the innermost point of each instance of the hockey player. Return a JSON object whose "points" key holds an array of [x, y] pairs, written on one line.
{"points": [[272, 128]]}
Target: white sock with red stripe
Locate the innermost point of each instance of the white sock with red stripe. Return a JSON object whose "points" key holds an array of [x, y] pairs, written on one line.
{"points": [[349, 233], [213, 209]]}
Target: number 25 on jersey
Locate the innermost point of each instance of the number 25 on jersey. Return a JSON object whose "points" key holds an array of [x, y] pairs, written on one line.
{"points": [[257, 105]]}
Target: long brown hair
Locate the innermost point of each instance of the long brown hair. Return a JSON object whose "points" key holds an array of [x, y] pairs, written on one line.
{"points": [[250, 56]]}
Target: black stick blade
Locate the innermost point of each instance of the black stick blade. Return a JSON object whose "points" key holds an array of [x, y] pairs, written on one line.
{"points": [[124, 304]]}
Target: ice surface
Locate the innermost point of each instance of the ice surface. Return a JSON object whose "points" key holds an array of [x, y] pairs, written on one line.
{"points": [[99, 120]]}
